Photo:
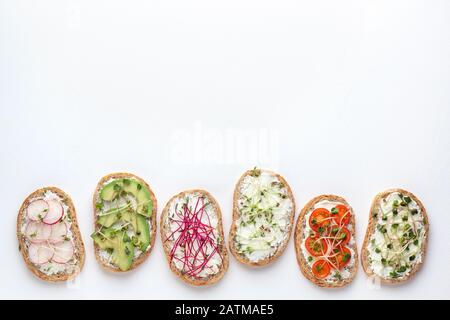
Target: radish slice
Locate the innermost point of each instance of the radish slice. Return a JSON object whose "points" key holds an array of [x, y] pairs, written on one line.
{"points": [[37, 232], [55, 212], [63, 252], [39, 254], [58, 232], [37, 210]]}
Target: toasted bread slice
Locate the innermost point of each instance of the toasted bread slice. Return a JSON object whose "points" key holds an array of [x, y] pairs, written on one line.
{"points": [[212, 252], [248, 253], [300, 235], [44, 271], [420, 218], [151, 221]]}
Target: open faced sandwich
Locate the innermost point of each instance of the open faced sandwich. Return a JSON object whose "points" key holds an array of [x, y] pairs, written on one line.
{"points": [[48, 234], [396, 239], [325, 241], [263, 216], [125, 221], [192, 236]]}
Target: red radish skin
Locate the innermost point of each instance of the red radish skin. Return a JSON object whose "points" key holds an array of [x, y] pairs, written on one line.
{"points": [[39, 253], [55, 212], [37, 210], [58, 232], [63, 252], [37, 232]]}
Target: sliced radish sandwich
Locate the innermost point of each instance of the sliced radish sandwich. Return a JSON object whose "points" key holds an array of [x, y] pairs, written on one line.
{"points": [[49, 238], [192, 236]]}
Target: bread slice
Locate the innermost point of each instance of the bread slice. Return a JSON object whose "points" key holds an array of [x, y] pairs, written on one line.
{"points": [[152, 221], [192, 280], [79, 251], [282, 246], [371, 228], [299, 238]]}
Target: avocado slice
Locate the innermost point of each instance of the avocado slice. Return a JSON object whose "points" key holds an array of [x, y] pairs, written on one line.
{"points": [[130, 217], [142, 232], [141, 228], [111, 216], [106, 240], [123, 254], [133, 187], [145, 203], [108, 220], [142, 195], [108, 192], [120, 244]]}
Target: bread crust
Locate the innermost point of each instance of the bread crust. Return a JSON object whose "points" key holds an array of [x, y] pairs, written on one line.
{"points": [[222, 247], [299, 238], [242, 258], [78, 241], [371, 228], [144, 255]]}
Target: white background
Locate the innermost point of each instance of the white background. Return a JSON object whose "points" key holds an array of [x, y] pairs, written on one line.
{"points": [[348, 97]]}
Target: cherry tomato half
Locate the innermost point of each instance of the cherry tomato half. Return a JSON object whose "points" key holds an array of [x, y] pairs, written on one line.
{"points": [[342, 217], [341, 234], [343, 257], [321, 269], [316, 247], [319, 218]]}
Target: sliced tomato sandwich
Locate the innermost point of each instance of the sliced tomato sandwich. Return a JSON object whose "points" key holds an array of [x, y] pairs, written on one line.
{"points": [[325, 241], [49, 238], [124, 221], [263, 217], [396, 240], [192, 237]]}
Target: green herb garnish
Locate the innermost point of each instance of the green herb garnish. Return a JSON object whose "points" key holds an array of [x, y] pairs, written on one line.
{"points": [[346, 257], [401, 269], [394, 274]]}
